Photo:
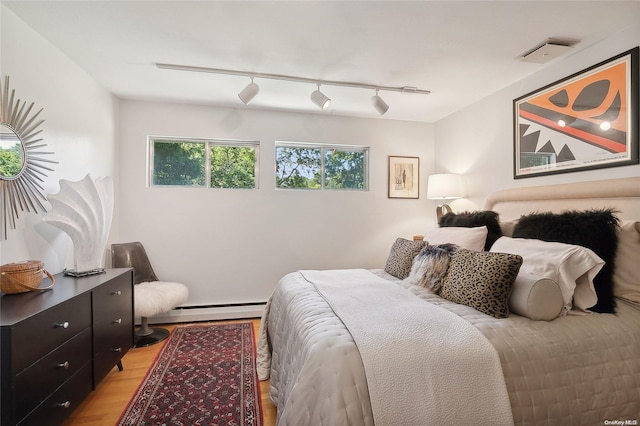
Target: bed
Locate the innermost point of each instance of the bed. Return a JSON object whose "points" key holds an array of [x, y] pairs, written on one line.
{"points": [[363, 347]]}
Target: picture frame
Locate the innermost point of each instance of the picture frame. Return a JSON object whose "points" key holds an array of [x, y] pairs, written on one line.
{"points": [[404, 177], [588, 120]]}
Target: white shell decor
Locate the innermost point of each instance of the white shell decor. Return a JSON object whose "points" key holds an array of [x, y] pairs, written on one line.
{"points": [[84, 210]]}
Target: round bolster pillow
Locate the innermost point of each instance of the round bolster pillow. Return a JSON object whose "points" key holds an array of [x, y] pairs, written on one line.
{"points": [[536, 298]]}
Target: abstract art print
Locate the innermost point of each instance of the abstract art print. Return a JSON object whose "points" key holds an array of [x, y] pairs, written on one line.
{"points": [[588, 120], [404, 177]]}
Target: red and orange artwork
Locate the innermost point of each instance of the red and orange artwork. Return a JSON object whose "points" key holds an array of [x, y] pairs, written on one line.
{"points": [[583, 121], [592, 109]]}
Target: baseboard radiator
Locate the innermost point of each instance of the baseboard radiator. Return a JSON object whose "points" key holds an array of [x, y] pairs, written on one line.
{"points": [[209, 313]]}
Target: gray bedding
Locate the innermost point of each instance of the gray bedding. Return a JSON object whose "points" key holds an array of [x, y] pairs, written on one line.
{"points": [[573, 370]]}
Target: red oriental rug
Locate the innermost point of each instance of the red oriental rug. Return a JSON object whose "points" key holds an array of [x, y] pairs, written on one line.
{"points": [[204, 375]]}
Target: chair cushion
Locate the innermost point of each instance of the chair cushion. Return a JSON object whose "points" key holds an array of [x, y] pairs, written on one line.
{"points": [[156, 297]]}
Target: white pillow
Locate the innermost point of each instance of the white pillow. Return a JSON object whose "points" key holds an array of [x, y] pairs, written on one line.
{"points": [[469, 238], [626, 275], [572, 267], [535, 297]]}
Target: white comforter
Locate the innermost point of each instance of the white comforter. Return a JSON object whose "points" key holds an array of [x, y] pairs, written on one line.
{"points": [[573, 370]]}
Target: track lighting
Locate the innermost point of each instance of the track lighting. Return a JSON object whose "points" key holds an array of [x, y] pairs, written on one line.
{"points": [[317, 97], [379, 104], [249, 92], [320, 99]]}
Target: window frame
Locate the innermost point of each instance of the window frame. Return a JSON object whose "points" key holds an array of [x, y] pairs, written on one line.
{"points": [[208, 142], [323, 148]]}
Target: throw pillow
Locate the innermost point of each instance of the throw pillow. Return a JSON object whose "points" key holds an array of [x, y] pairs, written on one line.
{"points": [[430, 266], [626, 276], [487, 218], [595, 229], [535, 297], [401, 257], [573, 267], [482, 280], [469, 238]]}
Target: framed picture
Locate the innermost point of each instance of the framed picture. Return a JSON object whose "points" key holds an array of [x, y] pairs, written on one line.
{"points": [[588, 120], [404, 177]]}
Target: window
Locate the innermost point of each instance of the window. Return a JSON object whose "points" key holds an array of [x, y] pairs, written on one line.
{"points": [[315, 166], [203, 163]]}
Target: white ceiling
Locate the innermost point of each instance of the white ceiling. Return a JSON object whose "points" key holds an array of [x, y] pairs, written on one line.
{"points": [[461, 51]]}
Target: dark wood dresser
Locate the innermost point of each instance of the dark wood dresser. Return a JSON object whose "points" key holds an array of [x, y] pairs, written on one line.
{"points": [[57, 345]]}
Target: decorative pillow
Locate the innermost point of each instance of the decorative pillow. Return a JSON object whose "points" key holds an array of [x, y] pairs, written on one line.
{"points": [[486, 218], [626, 276], [594, 229], [482, 280], [572, 267], [536, 297], [468, 238], [401, 257], [430, 266]]}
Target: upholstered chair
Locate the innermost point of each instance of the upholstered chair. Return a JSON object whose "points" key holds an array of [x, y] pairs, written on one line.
{"points": [[151, 296]]}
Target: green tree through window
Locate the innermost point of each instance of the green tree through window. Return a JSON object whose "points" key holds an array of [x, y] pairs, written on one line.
{"points": [[313, 166], [178, 163], [203, 163], [233, 167]]}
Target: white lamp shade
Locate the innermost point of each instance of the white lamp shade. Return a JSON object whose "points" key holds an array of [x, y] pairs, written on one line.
{"points": [[249, 92], [445, 186]]}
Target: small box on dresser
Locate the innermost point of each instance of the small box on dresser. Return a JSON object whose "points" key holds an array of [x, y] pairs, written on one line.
{"points": [[57, 345]]}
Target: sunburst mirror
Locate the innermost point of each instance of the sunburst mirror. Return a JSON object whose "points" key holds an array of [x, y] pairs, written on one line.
{"points": [[21, 168]]}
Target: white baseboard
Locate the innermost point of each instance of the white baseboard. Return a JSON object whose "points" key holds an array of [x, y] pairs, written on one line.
{"points": [[207, 314]]}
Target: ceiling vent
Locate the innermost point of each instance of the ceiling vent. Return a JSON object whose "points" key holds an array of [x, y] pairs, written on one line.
{"points": [[547, 51]]}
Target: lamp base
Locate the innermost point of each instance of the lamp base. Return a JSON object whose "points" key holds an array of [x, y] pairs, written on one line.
{"points": [[442, 210]]}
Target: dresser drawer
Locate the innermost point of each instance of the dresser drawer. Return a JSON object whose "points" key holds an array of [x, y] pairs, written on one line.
{"points": [[57, 407], [42, 378], [112, 324], [40, 334]]}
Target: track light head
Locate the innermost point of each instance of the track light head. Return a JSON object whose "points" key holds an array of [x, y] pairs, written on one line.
{"points": [[320, 99], [379, 104], [249, 92]]}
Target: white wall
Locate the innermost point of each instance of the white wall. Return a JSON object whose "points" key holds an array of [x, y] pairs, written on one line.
{"points": [[232, 246], [80, 128], [478, 140]]}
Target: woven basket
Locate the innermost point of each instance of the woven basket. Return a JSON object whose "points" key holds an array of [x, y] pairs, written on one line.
{"points": [[24, 276]]}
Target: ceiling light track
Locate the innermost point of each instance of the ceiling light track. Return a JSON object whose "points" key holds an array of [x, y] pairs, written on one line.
{"points": [[404, 89]]}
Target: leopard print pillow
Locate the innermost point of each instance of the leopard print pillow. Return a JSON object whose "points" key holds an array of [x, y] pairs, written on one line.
{"points": [[482, 280], [401, 257]]}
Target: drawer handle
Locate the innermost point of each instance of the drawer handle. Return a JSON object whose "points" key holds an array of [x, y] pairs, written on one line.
{"points": [[64, 365], [65, 404], [117, 293], [118, 321], [61, 324], [117, 349]]}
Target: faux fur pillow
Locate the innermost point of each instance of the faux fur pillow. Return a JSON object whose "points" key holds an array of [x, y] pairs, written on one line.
{"points": [[430, 266], [594, 229], [482, 280], [401, 257], [487, 218]]}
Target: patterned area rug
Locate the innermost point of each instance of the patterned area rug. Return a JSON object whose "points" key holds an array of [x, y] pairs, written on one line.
{"points": [[204, 375]]}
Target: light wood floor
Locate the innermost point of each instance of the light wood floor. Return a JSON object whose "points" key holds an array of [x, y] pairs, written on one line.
{"points": [[106, 403]]}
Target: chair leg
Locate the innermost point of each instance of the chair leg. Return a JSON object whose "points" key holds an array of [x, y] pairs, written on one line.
{"points": [[144, 329], [147, 336]]}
